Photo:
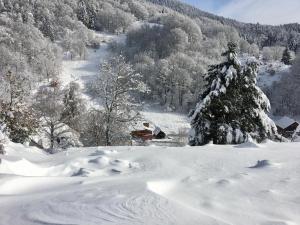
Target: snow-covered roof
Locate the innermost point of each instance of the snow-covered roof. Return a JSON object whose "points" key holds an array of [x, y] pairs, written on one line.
{"points": [[284, 122]]}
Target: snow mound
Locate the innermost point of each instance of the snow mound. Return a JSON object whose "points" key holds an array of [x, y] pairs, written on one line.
{"points": [[248, 144], [223, 182], [22, 167], [160, 187], [98, 163], [261, 164], [103, 152], [101, 161], [82, 172]]}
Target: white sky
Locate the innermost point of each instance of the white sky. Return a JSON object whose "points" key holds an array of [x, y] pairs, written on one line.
{"points": [[262, 11]]}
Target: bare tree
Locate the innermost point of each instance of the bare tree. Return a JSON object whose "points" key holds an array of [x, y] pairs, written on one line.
{"points": [[55, 114], [117, 87]]}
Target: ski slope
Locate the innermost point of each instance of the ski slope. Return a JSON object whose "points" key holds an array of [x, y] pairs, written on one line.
{"points": [[248, 184], [85, 71]]}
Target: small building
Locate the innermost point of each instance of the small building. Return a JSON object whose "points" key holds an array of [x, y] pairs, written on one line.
{"points": [[148, 133], [143, 135], [288, 128], [291, 129]]}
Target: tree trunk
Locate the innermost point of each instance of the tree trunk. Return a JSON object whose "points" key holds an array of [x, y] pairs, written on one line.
{"points": [[107, 132], [52, 135]]}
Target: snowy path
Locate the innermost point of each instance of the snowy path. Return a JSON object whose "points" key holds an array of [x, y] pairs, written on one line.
{"points": [[211, 185], [84, 71]]}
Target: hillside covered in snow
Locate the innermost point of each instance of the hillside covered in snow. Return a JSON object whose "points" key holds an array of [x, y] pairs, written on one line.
{"points": [[146, 112], [57, 59]]}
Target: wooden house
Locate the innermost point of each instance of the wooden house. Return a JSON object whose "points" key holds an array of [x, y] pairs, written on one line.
{"points": [[288, 130], [148, 133], [291, 129], [143, 135]]}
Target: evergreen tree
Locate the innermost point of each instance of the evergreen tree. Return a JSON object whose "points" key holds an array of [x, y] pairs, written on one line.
{"points": [[233, 108], [86, 14], [20, 121], [74, 106], [287, 57], [19, 118]]}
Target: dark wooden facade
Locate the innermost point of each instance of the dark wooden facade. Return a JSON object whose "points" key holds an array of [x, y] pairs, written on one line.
{"points": [[289, 130], [143, 135]]}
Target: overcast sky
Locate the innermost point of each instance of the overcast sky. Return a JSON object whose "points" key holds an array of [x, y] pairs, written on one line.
{"points": [[262, 11]]}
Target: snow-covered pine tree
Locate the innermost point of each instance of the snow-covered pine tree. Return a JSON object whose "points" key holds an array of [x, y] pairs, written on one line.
{"points": [[74, 106], [286, 57], [232, 109], [18, 116], [86, 14], [20, 121]]}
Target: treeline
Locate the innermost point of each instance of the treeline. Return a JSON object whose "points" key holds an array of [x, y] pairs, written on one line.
{"points": [[173, 52], [263, 35], [34, 35]]}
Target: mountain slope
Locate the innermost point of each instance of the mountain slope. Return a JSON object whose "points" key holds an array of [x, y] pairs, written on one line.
{"points": [[263, 35]]}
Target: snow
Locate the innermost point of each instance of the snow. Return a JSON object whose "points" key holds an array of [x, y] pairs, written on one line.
{"points": [[230, 74], [84, 71], [170, 123], [261, 164], [3, 136], [265, 77], [139, 24], [211, 185], [284, 122]]}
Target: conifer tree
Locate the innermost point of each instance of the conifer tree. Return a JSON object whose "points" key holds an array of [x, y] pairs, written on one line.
{"points": [[286, 57], [20, 121], [18, 117], [233, 108], [74, 107]]}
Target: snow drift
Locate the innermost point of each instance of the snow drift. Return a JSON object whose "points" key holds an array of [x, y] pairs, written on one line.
{"points": [[211, 185]]}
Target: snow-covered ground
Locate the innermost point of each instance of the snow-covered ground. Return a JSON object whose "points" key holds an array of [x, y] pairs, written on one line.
{"points": [[270, 73], [171, 123], [210, 185], [85, 71]]}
